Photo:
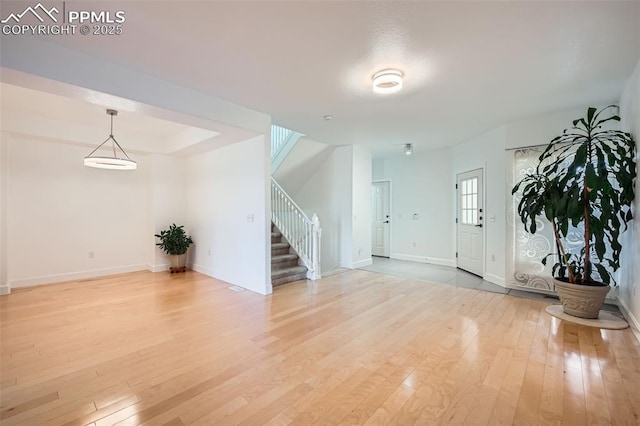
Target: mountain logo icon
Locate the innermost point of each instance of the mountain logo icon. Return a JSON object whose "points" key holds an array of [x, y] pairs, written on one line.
{"points": [[38, 11]]}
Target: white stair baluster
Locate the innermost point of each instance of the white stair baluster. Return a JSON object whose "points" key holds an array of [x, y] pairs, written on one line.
{"points": [[302, 233]]}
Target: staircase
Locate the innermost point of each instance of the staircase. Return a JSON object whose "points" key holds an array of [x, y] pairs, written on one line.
{"points": [[285, 264], [295, 238]]}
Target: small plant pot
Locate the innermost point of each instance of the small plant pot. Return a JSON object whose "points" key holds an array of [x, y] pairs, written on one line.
{"points": [[178, 263], [583, 301]]}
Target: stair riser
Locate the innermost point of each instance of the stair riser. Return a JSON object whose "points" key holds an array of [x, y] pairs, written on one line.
{"points": [[285, 272], [289, 279], [275, 239], [285, 264], [279, 251]]}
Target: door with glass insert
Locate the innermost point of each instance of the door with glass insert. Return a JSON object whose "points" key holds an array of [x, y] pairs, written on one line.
{"points": [[470, 222]]}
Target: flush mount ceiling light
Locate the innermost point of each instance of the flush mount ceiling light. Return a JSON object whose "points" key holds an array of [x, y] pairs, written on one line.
{"points": [[117, 162], [408, 149], [387, 81]]}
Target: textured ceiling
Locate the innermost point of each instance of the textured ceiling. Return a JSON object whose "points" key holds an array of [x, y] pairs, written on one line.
{"points": [[469, 66]]}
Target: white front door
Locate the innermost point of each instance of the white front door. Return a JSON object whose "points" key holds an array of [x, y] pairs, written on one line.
{"points": [[381, 224], [470, 222]]}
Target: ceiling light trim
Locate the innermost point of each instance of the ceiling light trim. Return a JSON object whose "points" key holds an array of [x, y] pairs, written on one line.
{"points": [[387, 81]]}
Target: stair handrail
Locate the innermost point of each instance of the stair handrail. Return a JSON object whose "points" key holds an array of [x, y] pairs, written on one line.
{"points": [[279, 136], [300, 231]]}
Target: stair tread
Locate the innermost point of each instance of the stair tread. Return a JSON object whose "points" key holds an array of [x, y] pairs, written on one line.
{"points": [[279, 245], [276, 234], [293, 270]]}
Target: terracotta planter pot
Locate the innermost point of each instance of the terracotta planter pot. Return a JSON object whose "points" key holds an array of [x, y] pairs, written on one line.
{"points": [[582, 301]]}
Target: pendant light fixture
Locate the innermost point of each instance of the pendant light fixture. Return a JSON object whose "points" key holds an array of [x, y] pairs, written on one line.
{"points": [[408, 149], [118, 161]]}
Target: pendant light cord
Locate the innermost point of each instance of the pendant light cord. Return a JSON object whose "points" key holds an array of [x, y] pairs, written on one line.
{"points": [[114, 143]]}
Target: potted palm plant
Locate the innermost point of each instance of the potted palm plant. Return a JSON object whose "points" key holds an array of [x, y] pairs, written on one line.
{"points": [[584, 186], [175, 242]]}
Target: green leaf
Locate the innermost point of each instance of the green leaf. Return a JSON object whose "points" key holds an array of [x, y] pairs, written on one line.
{"points": [[590, 178], [174, 240], [590, 113], [580, 158], [604, 274]]}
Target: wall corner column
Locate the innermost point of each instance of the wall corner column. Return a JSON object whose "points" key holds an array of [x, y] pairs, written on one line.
{"points": [[5, 288]]}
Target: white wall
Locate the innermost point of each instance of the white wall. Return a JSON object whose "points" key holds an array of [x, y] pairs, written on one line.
{"points": [[540, 129], [328, 193], [336, 186], [26, 57], [377, 168], [226, 213], [58, 211], [487, 152], [4, 286], [420, 184], [423, 183], [629, 292], [361, 206], [414, 183], [168, 203], [304, 159]]}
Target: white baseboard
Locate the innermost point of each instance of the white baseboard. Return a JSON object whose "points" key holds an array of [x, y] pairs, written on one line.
{"points": [[423, 259], [202, 269], [633, 321], [362, 263], [159, 268], [209, 272], [5, 289], [530, 289], [74, 276], [494, 279], [333, 271]]}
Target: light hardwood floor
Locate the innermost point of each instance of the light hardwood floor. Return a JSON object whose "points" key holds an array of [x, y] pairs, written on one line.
{"points": [[354, 348]]}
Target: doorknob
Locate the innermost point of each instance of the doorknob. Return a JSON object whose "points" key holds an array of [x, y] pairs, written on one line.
{"points": [[386, 221], [479, 225]]}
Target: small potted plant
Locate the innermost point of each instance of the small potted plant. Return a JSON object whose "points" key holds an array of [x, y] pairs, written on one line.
{"points": [[175, 242], [584, 186]]}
